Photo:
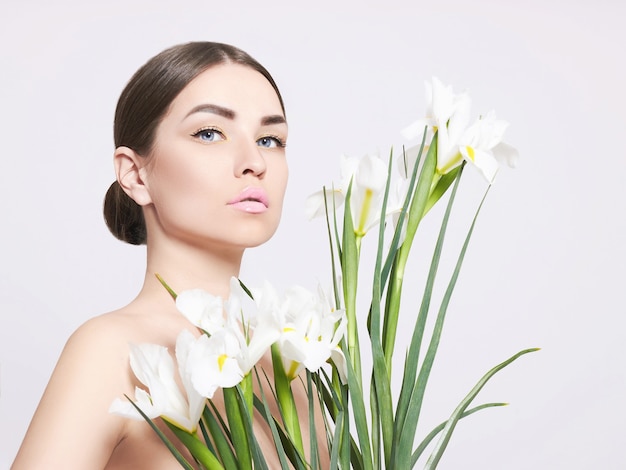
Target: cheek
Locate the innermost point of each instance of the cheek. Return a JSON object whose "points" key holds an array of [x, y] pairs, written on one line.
{"points": [[182, 186], [282, 177]]}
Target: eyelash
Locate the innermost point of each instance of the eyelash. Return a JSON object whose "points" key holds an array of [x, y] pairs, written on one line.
{"points": [[279, 142], [208, 129]]}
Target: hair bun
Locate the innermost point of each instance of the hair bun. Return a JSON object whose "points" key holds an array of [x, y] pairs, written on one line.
{"points": [[123, 216]]}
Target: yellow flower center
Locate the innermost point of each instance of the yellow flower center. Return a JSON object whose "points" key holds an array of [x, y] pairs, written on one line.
{"points": [[221, 359], [293, 368], [365, 209], [470, 152]]}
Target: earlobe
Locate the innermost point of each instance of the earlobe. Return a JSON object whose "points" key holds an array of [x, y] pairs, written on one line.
{"points": [[130, 175]]}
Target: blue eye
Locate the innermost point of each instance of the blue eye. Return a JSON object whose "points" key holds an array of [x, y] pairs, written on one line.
{"points": [[270, 142], [209, 135]]}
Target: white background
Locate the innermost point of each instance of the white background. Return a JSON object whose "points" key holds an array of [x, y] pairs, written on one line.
{"points": [[545, 267]]}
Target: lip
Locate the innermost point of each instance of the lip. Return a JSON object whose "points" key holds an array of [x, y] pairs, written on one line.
{"points": [[251, 200]]}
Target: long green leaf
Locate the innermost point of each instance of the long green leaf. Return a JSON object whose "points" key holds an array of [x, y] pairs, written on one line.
{"points": [[313, 439], [409, 402], [382, 405], [218, 415], [263, 407], [395, 242], [237, 427], [432, 434], [416, 212], [197, 448], [332, 403], [284, 442], [175, 452], [220, 439], [440, 188], [205, 434], [342, 442], [255, 449], [347, 454], [167, 287], [359, 415], [334, 453], [350, 270], [441, 445], [424, 374], [333, 264], [286, 401]]}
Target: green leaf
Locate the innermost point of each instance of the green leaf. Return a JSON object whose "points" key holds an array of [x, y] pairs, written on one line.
{"points": [[218, 415], [349, 268], [334, 450], [403, 214], [432, 434], [348, 452], [412, 390], [164, 284], [263, 407], [440, 188], [441, 445], [205, 434], [416, 212], [237, 426], [342, 443], [220, 438], [331, 245], [382, 404], [175, 452], [313, 444], [358, 407], [197, 448], [257, 453], [245, 289], [285, 399]]}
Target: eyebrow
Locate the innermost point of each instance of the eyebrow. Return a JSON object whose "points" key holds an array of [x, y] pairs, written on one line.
{"points": [[274, 119], [230, 114], [213, 109]]}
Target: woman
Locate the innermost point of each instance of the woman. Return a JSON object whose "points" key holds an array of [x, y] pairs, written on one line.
{"points": [[200, 135]]}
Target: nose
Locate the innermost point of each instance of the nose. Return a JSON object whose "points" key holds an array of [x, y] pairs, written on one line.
{"points": [[250, 161]]}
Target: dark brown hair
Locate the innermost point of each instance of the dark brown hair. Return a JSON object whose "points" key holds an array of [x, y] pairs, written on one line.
{"points": [[142, 105]]}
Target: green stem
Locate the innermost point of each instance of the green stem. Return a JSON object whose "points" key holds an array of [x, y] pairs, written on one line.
{"points": [[237, 427], [422, 193], [286, 401]]}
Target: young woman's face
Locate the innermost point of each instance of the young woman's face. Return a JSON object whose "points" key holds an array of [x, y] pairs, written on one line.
{"points": [[217, 173]]}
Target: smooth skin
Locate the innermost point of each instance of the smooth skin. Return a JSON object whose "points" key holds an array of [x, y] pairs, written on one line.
{"points": [[223, 134]]}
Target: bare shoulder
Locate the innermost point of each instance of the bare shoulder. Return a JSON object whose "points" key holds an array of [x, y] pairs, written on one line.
{"points": [[106, 337], [98, 350], [71, 427], [110, 329]]}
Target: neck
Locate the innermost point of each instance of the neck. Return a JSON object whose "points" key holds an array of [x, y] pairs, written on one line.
{"points": [[183, 266]]}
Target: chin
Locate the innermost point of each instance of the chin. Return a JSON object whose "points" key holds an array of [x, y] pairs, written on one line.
{"points": [[257, 241], [250, 237]]}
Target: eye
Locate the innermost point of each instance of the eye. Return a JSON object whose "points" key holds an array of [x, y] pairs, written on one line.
{"points": [[209, 134], [270, 141]]}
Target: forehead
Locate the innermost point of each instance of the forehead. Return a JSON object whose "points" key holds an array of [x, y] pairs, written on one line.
{"points": [[232, 86]]}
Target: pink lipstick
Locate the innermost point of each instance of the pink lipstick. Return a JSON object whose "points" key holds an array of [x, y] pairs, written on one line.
{"points": [[251, 200]]}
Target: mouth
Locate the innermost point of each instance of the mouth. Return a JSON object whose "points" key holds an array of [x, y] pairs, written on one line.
{"points": [[250, 200]]}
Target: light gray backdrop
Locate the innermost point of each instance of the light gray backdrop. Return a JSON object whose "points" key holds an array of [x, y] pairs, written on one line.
{"points": [[545, 266]]}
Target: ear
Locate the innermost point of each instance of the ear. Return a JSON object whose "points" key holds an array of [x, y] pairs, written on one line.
{"points": [[130, 172]]}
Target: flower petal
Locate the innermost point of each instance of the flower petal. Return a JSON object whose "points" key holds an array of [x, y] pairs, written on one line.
{"points": [[506, 153], [201, 308]]}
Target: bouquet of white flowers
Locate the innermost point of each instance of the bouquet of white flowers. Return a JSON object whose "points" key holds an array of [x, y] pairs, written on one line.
{"points": [[313, 339]]}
